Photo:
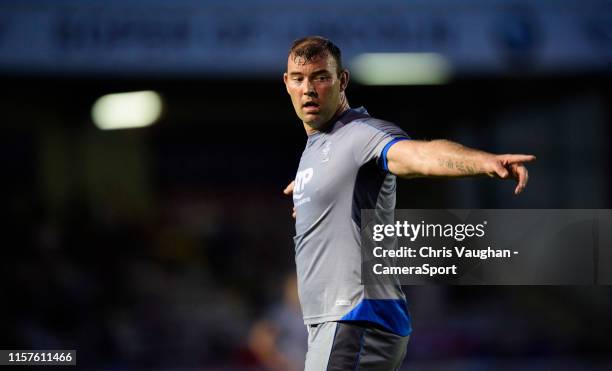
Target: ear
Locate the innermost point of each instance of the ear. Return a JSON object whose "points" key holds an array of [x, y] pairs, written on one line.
{"points": [[344, 79], [285, 77]]}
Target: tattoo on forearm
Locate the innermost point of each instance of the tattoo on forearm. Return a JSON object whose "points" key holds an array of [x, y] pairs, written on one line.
{"points": [[461, 166], [445, 163]]}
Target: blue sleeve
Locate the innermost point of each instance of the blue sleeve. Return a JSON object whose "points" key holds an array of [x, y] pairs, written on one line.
{"points": [[382, 159]]}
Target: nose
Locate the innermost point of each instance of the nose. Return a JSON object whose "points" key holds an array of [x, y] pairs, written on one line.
{"points": [[309, 89]]}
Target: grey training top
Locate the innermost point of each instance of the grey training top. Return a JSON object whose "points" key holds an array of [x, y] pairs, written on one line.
{"points": [[343, 170]]}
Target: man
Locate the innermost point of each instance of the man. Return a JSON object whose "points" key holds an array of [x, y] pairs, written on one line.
{"points": [[350, 163]]}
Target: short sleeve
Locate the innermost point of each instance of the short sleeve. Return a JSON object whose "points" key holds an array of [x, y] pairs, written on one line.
{"points": [[372, 139]]}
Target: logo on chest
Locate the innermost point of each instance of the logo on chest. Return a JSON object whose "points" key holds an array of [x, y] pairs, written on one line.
{"points": [[325, 152], [301, 179]]}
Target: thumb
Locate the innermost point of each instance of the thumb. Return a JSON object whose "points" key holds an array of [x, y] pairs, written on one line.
{"points": [[501, 171], [289, 189]]}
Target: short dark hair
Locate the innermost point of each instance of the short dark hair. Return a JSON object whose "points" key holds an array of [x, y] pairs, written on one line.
{"points": [[312, 47]]}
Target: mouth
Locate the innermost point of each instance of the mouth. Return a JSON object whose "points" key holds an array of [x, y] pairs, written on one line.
{"points": [[310, 107]]}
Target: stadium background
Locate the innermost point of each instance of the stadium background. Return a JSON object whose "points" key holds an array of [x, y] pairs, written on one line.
{"points": [[160, 247]]}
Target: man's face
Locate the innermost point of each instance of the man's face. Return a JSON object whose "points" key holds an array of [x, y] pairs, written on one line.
{"points": [[315, 88]]}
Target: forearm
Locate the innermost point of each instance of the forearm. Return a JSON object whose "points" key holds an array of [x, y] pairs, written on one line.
{"points": [[452, 159], [438, 158]]}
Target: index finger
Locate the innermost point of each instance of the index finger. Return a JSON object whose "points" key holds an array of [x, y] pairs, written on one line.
{"points": [[514, 159]]}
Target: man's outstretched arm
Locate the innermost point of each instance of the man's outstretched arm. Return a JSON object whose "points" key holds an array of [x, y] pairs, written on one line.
{"points": [[443, 158]]}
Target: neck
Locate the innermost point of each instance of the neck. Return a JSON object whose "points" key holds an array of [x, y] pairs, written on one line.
{"points": [[343, 106]]}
